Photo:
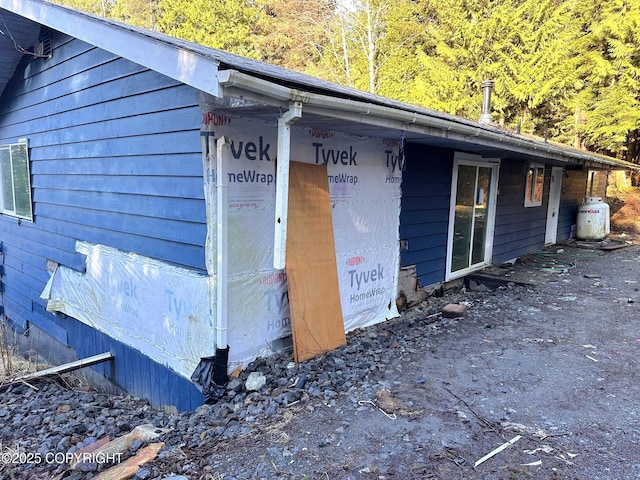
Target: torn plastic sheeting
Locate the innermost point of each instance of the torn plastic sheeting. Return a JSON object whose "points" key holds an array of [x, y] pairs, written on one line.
{"points": [[159, 309], [207, 379]]}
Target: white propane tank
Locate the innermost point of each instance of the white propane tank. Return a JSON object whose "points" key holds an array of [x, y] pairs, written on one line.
{"points": [[593, 219]]}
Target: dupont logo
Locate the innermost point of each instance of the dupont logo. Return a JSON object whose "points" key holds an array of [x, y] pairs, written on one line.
{"points": [[276, 277], [315, 132], [211, 118], [353, 261]]}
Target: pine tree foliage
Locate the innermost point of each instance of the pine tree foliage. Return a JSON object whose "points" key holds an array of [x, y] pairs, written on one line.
{"points": [[568, 70], [95, 7], [611, 79], [223, 24], [291, 33], [140, 13]]}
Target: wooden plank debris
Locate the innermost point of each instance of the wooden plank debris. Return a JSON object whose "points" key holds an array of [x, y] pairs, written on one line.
{"points": [[68, 367], [130, 466], [314, 298], [494, 280], [117, 446], [142, 433], [608, 248], [79, 454]]}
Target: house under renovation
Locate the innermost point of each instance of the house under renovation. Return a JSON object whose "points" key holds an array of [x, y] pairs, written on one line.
{"points": [[167, 202]]}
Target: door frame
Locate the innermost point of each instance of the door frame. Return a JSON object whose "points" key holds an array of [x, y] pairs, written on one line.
{"points": [[460, 158], [555, 190]]}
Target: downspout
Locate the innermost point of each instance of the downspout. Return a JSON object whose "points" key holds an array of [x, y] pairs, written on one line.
{"points": [[215, 193], [282, 182], [222, 243], [222, 148]]}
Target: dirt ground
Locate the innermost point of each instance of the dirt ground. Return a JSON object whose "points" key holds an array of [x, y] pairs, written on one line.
{"points": [[552, 368], [625, 210], [545, 363]]}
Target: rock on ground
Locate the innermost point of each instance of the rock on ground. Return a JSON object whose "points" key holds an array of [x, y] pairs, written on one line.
{"points": [[421, 396]]}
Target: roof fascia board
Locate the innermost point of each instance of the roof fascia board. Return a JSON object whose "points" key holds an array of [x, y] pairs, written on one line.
{"points": [[182, 65], [384, 116]]}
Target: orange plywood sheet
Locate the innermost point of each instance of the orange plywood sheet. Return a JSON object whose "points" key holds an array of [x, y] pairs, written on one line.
{"points": [[312, 274]]}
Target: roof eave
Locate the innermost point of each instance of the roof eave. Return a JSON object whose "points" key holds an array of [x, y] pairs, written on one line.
{"points": [[241, 84], [183, 65], [201, 68]]}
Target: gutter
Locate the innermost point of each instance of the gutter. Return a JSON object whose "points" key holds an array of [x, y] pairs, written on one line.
{"points": [[406, 120]]}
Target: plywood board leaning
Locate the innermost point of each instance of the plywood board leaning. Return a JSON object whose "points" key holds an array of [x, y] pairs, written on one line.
{"points": [[314, 296]]}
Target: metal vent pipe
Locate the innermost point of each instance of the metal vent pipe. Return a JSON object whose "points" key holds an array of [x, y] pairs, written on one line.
{"points": [[487, 86]]}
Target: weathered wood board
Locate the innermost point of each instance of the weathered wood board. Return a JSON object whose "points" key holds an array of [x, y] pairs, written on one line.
{"points": [[312, 273]]}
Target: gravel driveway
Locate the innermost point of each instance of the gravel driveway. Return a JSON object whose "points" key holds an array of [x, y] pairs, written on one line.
{"points": [[546, 366]]}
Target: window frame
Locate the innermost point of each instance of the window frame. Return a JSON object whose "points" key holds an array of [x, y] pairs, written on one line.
{"points": [[531, 188], [14, 210]]}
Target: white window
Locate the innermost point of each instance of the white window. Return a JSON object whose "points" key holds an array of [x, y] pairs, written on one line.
{"points": [[15, 180], [534, 186]]}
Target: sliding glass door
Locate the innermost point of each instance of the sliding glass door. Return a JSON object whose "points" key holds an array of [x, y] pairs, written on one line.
{"points": [[472, 214]]}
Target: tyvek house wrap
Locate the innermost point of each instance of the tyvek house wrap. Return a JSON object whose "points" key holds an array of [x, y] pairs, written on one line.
{"points": [[168, 313], [364, 186], [159, 309]]}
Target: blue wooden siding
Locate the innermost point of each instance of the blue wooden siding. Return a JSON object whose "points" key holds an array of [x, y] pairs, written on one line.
{"points": [[424, 217], [518, 229], [574, 186], [135, 372], [115, 160]]}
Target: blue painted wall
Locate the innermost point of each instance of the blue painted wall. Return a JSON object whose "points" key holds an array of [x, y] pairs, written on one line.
{"points": [[518, 229], [115, 160], [521, 230], [426, 189], [424, 217]]}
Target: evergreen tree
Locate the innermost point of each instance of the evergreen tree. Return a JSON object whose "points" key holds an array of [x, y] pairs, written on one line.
{"points": [[95, 7], [292, 33], [609, 93], [563, 69], [141, 13], [224, 24]]}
